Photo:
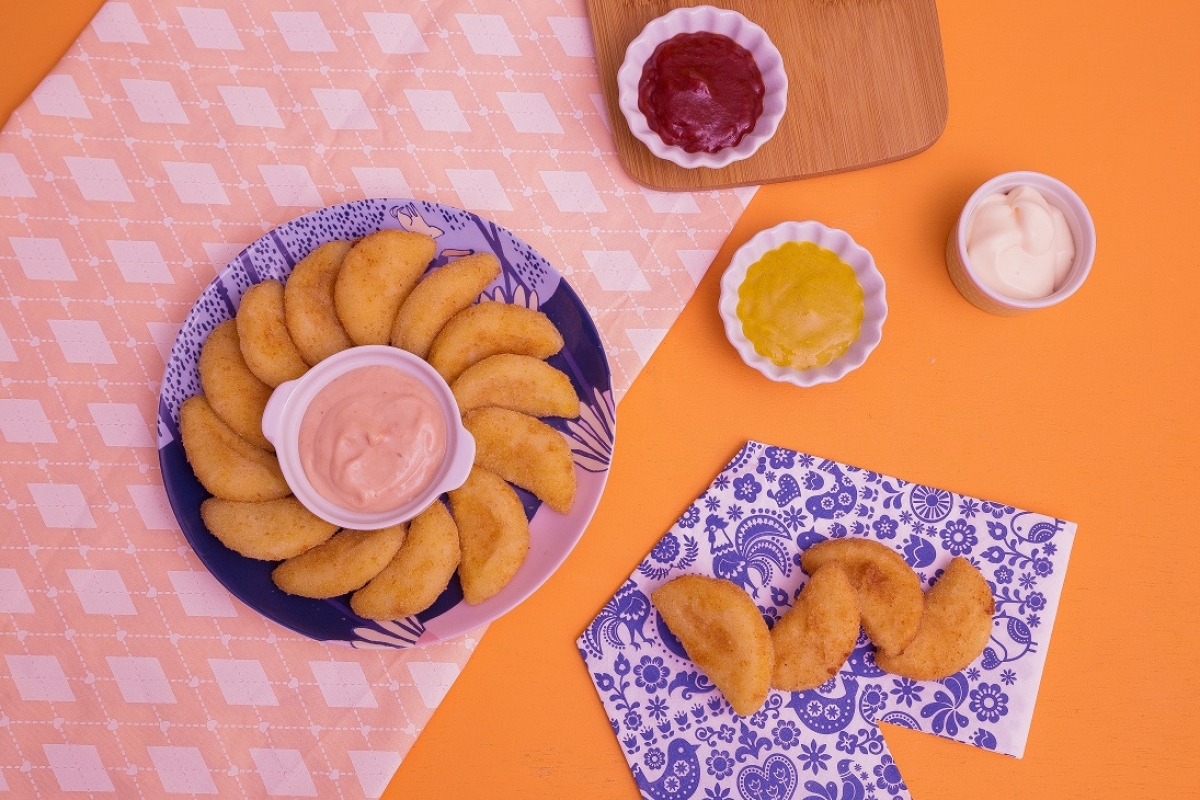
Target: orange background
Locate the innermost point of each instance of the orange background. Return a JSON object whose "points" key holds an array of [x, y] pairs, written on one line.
{"points": [[1087, 411]]}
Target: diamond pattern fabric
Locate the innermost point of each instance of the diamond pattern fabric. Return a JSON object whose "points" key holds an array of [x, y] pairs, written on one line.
{"points": [[170, 136]]}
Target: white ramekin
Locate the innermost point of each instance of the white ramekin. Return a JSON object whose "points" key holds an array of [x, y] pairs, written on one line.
{"points": [[713, 20], [1058, 194], [849, 251], [285, 411]]}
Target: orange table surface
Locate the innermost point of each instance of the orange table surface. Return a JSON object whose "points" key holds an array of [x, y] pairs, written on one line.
{"points": [[1088, 411]]}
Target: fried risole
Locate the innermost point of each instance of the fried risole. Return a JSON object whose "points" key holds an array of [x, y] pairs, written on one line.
{"points": [[524, 451], [236, 395], [818, 633], [418, 573], [955, 627], [518, 383], [344, 563], [493, 534], [889, 591], [724, 633], [262, 330], [227, 465], [488, 328], [269, 531], [308, 306], [376, 276], [439, 296]]}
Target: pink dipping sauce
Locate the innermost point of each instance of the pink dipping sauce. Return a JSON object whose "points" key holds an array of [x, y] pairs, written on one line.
{"points": [[372, 439]]}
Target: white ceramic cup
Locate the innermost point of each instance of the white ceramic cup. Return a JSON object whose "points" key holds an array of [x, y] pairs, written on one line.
{"points": [[1058, 194], [285, 411]]}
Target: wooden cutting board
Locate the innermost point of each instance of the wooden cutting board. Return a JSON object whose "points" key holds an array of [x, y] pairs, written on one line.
{"points": [[866, 86]]}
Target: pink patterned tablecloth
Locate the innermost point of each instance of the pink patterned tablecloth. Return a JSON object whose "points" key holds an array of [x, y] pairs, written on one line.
{"points": [[169, 137]]}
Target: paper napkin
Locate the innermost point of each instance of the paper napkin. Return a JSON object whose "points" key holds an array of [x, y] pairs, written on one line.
{"points": [[680, 736]]}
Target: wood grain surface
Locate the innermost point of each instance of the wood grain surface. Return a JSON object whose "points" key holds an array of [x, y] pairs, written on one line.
{"points": [[866, 86]]}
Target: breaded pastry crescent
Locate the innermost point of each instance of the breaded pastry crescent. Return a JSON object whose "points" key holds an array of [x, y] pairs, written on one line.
{"points": [[236, 395], [493, 533], [955, 627], [724, 633], [308, 306], [226, 464], [344, 563], [376, 276], [439, 296], [262, 330], [525, 451], [488, 328], [269, 530], [518, 383], [818, 633], [889, 592], [418, 573]]}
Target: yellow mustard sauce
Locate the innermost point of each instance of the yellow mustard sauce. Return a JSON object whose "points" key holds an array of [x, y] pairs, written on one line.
{"points": [[800, 305]]}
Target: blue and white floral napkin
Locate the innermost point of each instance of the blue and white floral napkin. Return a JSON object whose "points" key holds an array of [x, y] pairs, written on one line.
{"points": [[681, 738]]}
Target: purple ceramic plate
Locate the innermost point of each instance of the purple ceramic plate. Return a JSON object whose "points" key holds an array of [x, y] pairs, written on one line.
{"points": [[525, 279]]}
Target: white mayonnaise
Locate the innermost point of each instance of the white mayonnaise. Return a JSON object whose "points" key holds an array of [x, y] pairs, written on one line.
{"points": [[1019, 245]]}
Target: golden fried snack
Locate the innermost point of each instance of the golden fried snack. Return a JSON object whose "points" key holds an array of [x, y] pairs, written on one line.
{"points": [[889, 592], [439, 296], [344, 563], [524, 451], [518, 383], [226, 464], [492, 532], [308, 307], [262, 330], [818, 633], [418, 573], [233, 391], [488, 328], [955, 627], [376, 276], [723, 632], [268, 530]]}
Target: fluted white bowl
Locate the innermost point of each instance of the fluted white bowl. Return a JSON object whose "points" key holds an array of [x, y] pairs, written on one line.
{"points": [[714, 20], [849, 251]]}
